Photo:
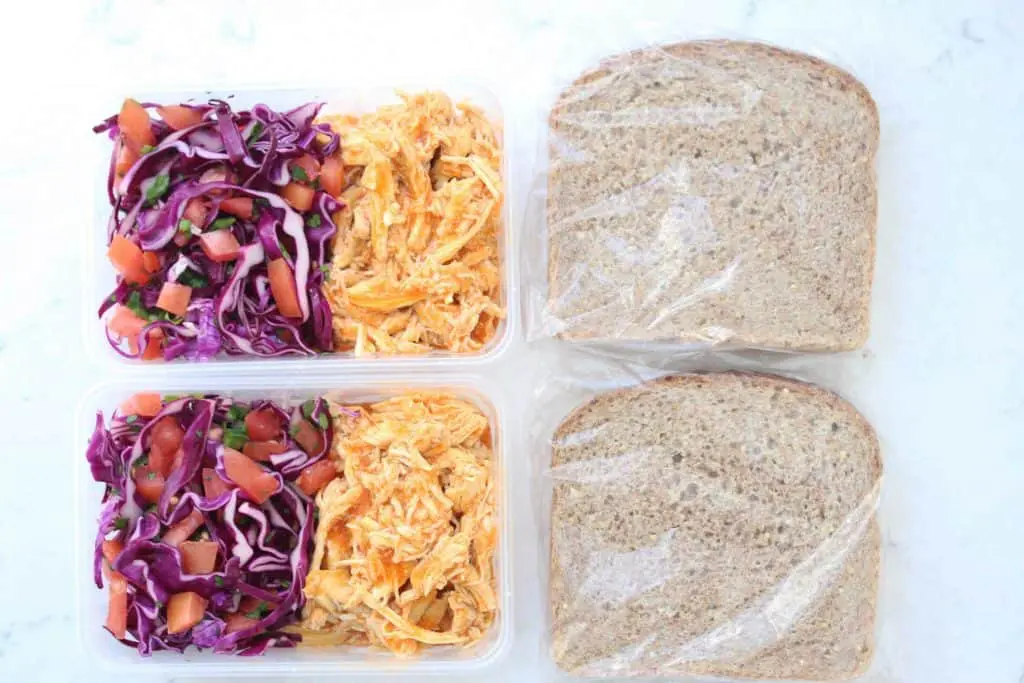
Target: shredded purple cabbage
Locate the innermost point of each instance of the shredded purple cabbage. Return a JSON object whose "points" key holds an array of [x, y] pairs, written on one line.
{"points": [[229, 154], [263, 549]]}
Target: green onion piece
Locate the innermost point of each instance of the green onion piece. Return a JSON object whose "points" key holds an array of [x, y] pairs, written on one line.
{"points": [[225, 222], [323, 421], [308, 407], [255, 133], [158, 188], [299, 173], [313, 221], [146, 149], [121, 523], [185, 226]]}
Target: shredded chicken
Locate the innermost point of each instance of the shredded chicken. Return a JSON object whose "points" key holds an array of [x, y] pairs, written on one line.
{"points": [[405, 543], [415, 264]]}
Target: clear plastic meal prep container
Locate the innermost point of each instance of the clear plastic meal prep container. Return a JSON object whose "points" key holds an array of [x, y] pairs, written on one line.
{"points": [[99, 274], [311, 661]]}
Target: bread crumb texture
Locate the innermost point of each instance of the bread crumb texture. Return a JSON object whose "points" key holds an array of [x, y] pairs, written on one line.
{"points": [[720, 525], [713, 191]]}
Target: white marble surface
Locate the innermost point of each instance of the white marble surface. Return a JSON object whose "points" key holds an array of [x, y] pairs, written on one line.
{"points": [[941, 379]]}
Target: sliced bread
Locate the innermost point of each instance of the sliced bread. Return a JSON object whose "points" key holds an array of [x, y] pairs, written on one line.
{"points": [[713, 191], [718, 524]]}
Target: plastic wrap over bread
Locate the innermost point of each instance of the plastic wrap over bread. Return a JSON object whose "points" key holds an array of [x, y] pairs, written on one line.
{"points": [[718, 524], [712, 192]]}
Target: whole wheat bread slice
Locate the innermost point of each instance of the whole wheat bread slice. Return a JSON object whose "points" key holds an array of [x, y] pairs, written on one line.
{"points": [[718, 524], [713, 191]]}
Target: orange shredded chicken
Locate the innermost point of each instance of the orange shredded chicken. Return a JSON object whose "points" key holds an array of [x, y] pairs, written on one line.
{"points": [[404, 548], [415, 265]]}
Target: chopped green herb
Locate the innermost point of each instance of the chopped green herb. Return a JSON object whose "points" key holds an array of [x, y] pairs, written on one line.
{"points": [[323, 421], [158, 188], [225, 222], [151, 475], [121, 523], [308, 407], [134, 304], [237, 412], [218, 581], [262, 610], [313, 221], [131, 418], [285, 583], [143, 461], [299, 173], [235, 436], [199, 433], [191, 279], [146, 149], [255, 133], [185, 226]]}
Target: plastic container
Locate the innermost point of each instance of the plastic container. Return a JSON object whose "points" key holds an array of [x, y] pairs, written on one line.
{"points": [[100, 275], [91, 602]]}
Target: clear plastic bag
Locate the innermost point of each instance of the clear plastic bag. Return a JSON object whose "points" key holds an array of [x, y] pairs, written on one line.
{"points": [[704, 192], [716, 524]]}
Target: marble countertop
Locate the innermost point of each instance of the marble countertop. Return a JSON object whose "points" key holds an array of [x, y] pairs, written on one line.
{"points": [[941, 378]]}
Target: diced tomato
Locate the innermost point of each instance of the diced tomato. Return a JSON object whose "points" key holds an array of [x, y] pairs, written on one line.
{"points": [[111, 549], [124, 323], [149, 483], [184, 610], [154, 345], [174, 298], [299, 196], [167, 434], [163, 461], [282, 286], [217, 174], [238, 206], [180, 532], [117, 605], [310, 168], [220, 245], [177, 116], [196, 211], [126, 256], [249, 475], [316, 476], [144, 404], [309, 438], [213, 485], [198, 557], [238, 622], [263, 424], [126, 158], [262, 450], [150, 261], [135, 125], [332, 176]]}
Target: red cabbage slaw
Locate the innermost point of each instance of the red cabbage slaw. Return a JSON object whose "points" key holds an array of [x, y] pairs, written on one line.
{"points": [[175, 193], [263, 549]]}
